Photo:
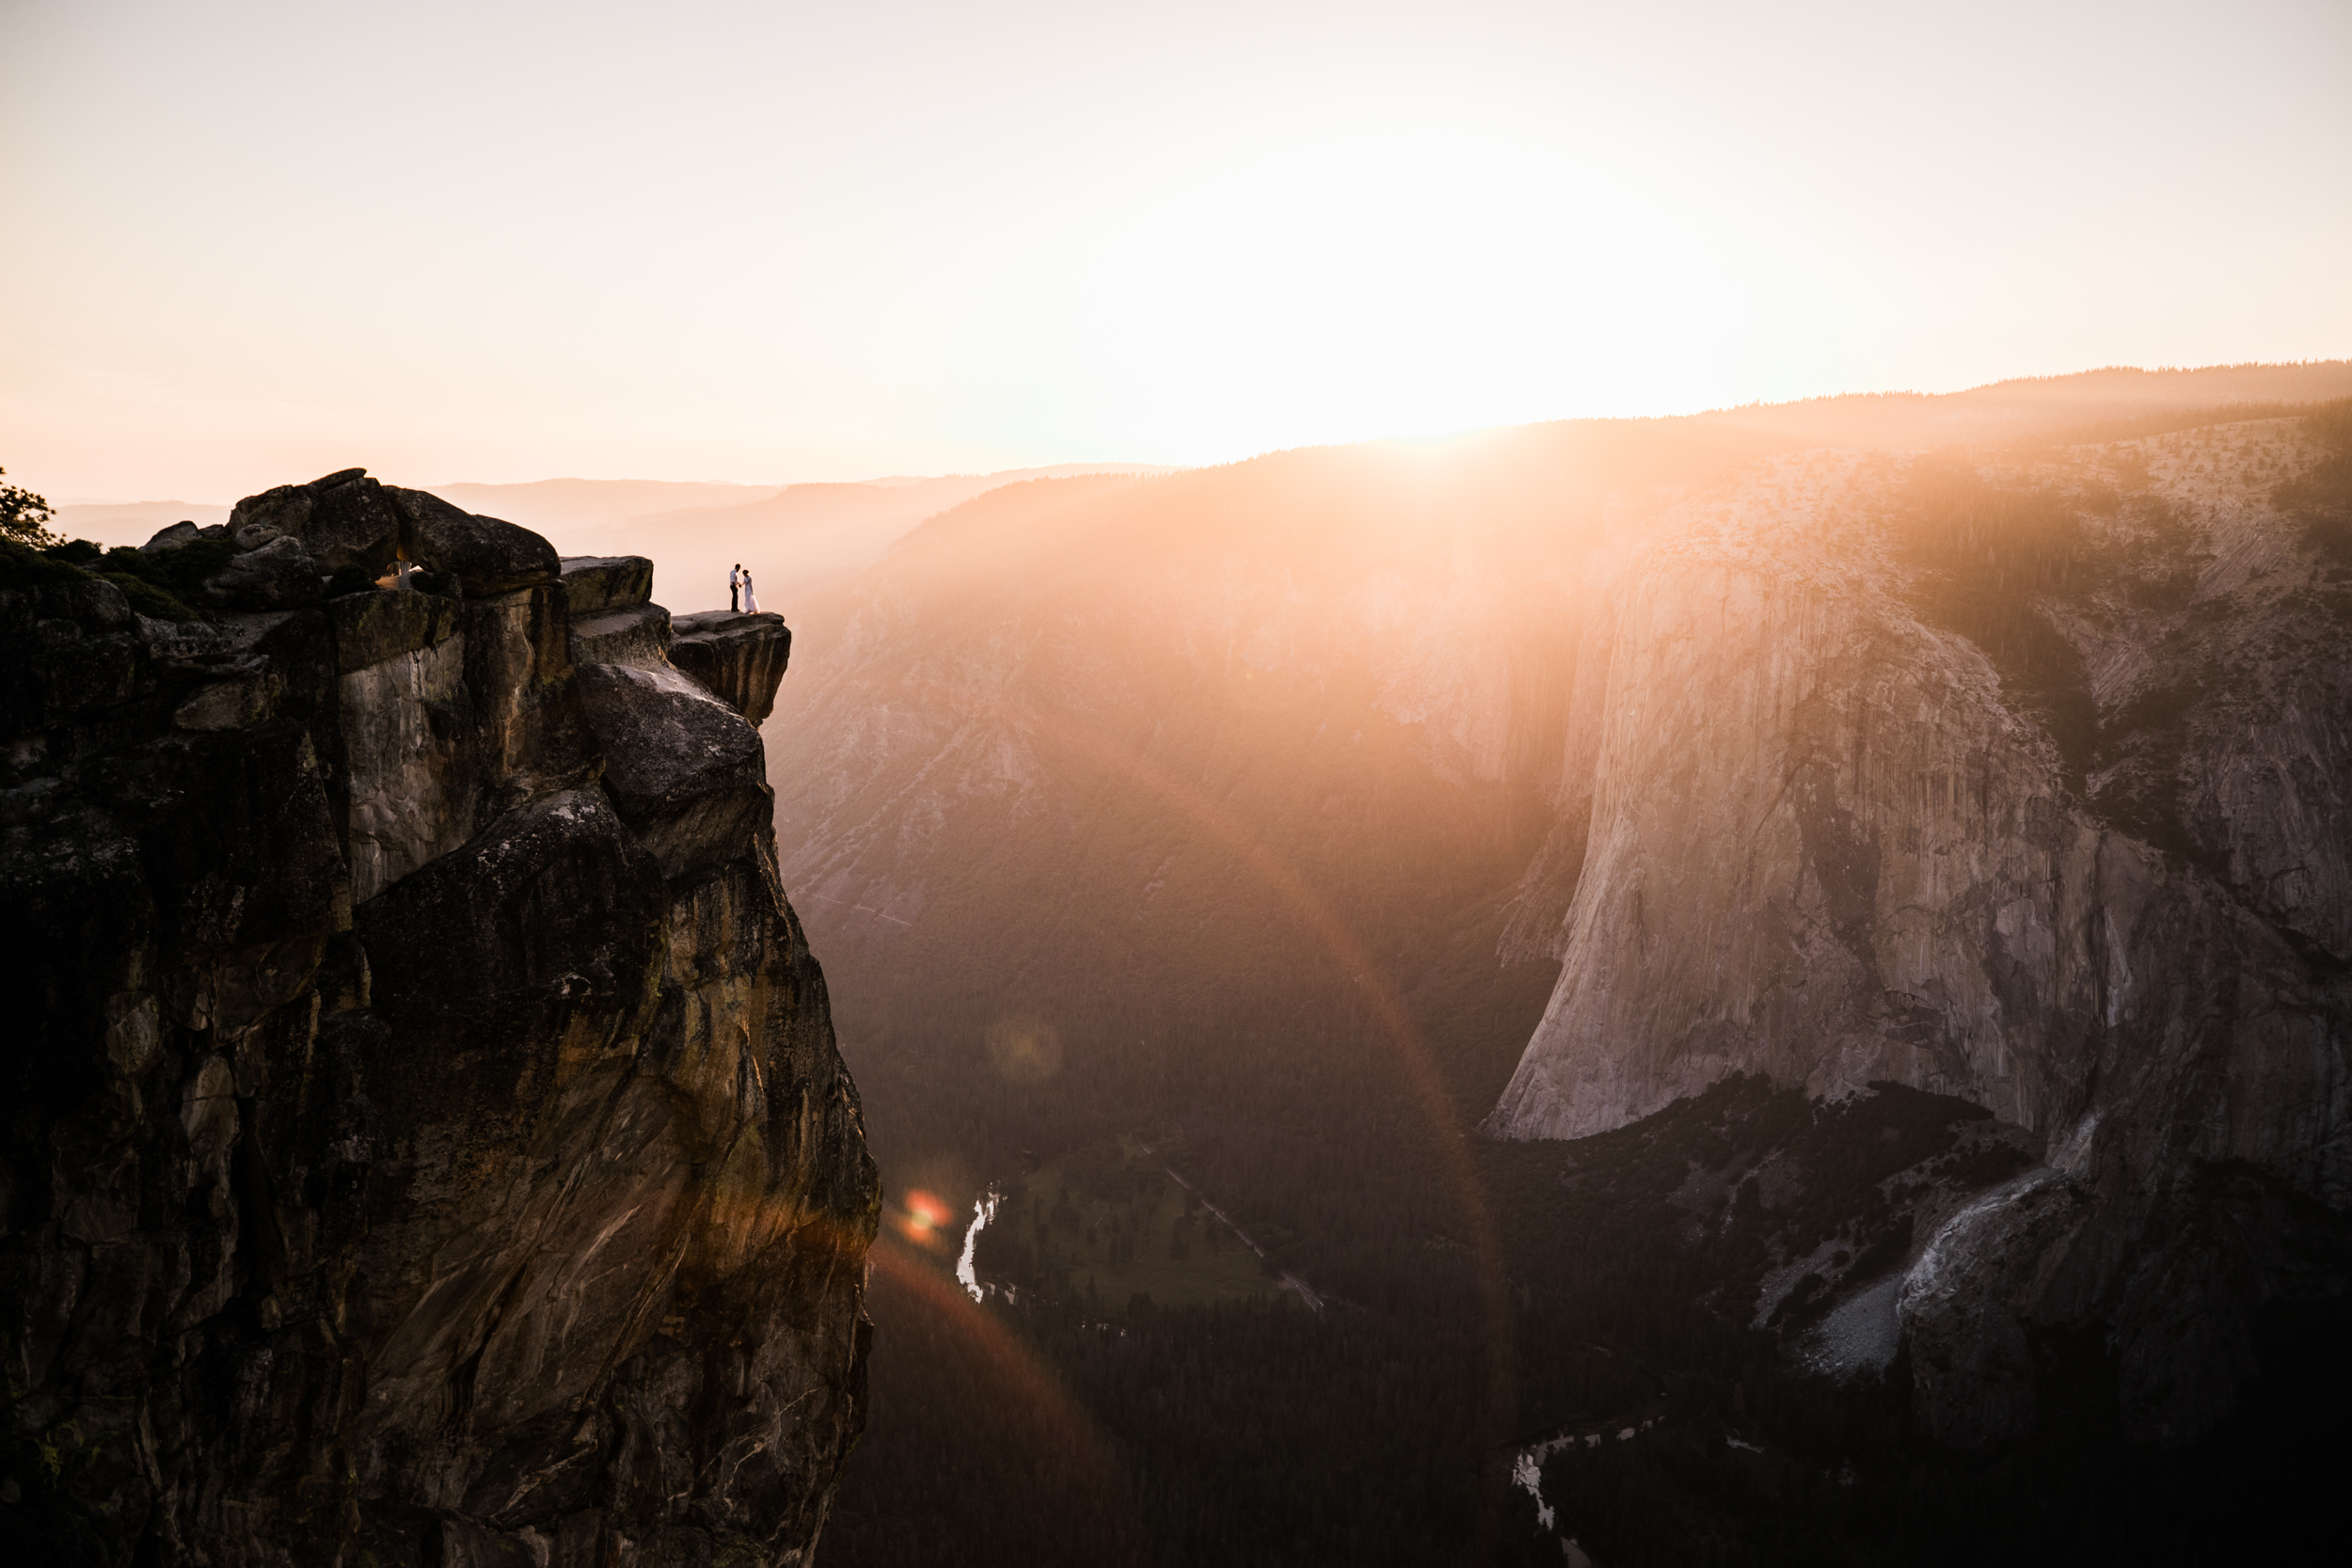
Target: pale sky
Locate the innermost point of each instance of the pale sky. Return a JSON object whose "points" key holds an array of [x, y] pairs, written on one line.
{"points": [[253, 241]]}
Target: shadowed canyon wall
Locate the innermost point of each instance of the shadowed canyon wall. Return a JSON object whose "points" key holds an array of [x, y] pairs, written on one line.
{"points": [[426, 1140]]}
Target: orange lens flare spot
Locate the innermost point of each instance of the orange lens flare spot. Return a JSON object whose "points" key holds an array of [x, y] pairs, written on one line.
{"points": [[921, 1219]]}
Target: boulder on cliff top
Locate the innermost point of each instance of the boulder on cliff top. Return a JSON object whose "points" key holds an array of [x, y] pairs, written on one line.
{"points": [[352, 524], [683, 768], [278, 574], [613, 621], [487, 555], [284, 509], [594, 584], [171, 538], [341, 518], [88, 606]]}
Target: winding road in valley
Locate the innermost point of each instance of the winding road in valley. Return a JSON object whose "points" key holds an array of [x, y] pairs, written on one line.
{"points": [[984, 1209], [1290, 1281]]}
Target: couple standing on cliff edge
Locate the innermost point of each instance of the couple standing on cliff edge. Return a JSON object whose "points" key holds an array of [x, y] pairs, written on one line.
{"points": [[739, 582]]}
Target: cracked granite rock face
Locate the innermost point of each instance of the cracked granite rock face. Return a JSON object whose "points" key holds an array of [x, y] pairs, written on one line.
{"points": [[738, 656], [425, 1141], [611, 618], [2074, 849]]}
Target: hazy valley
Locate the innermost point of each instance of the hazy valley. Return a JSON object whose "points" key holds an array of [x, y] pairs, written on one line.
{"points": [[1761, 987], [1333, 815], [1174, 786]]}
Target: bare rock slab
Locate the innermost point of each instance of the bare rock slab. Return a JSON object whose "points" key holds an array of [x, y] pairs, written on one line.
{"points": [[640, 636], [595, 584], [683, 768], [555, 896]]}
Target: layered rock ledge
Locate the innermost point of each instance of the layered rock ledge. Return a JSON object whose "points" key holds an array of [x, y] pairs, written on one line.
{"points": [[425, 1138], [739, 656]]}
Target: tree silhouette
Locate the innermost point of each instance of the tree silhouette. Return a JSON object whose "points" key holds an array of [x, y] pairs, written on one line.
{"points": [[24, 517]]}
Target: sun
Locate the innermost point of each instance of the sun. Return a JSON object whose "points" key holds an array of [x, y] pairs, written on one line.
{"points": [[1399, 273]]}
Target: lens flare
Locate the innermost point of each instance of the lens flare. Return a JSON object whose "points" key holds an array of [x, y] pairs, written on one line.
{"points": [[1396, 1028], [921, 1219]]}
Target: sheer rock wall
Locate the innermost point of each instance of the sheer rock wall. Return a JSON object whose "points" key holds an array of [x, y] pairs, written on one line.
{"points": [[425, 1141], [1811, 832], [739, 656]]}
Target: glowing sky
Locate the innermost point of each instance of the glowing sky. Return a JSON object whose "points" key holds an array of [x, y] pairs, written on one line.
{"points": [[767, 242]]}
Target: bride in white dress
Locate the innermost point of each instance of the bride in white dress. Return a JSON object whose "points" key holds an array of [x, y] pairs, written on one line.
{"points": [[751, 596]]}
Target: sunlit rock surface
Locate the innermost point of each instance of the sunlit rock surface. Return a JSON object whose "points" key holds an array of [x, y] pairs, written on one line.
{"points": [[1811, 832], [426, 1140]]}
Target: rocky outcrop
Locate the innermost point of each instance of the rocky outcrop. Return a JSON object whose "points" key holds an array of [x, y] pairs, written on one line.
{"points": [[741, 657], [484, 554], [288, 545], [1839, 813], [275, 574], [612, 619], [426, 1140], [344, 520], [685, 770], [597, 585]]}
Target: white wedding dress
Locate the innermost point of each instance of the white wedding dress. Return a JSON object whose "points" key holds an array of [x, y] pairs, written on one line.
{"points": [[751, 596]]}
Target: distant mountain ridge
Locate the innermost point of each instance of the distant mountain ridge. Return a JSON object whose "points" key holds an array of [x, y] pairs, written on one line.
{"points": [[132, 522], [800, 535], [694, 530], [682, 526], [573, 503]]}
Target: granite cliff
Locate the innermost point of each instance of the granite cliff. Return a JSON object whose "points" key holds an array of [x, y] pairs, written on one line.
{"points": [[1991, 752], [425, 1141], [2020, 777]]}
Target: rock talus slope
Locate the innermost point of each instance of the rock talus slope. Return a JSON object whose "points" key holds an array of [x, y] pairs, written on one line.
{"points": [[420, 1149], [1833, 823]]}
